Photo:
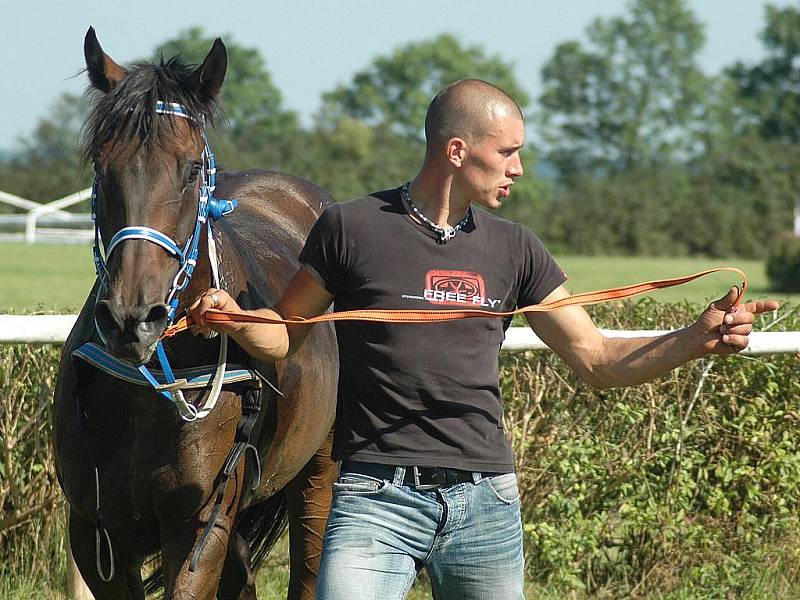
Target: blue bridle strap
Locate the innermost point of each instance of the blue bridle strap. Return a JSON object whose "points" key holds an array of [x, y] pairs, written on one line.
{"points": [[195, 377], [207, 206], [145, 233], [172, 108]]}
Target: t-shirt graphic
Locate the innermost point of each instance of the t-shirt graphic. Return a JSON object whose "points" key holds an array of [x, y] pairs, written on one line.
{"points": [[455, 288]]}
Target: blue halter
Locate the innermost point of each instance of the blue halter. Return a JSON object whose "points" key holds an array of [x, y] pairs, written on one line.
{"points": [[208, 206]]}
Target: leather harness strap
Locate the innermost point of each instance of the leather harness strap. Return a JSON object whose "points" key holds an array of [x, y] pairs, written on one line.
{"points": [[439, 316]]}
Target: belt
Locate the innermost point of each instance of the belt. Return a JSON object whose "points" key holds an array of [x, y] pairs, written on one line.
{"points": [[418, 477]]}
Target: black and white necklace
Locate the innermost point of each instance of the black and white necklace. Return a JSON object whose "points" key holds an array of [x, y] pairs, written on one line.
{"points": [[443, 233]]}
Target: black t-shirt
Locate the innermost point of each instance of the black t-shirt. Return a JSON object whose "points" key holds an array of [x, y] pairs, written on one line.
{"points": [[423, 394]]}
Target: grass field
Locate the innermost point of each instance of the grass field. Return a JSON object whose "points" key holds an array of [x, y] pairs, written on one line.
{"points": [[57, 278]]}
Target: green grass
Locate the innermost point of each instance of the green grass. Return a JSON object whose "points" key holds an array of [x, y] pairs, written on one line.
{"points": [[57, 278], [44, 277], [596, 272]]}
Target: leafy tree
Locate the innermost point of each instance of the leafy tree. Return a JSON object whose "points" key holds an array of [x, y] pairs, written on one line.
{"points": [[395, 90], [770, 90], [259, 131], [47, 165], [633, 99], [258, 128], [350, 158]]}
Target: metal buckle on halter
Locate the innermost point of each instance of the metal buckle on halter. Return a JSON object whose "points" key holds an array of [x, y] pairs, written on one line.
{"points": [[172, 387]]}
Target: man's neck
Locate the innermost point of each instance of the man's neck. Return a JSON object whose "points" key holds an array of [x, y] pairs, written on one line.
{"points": [[437, 199]]}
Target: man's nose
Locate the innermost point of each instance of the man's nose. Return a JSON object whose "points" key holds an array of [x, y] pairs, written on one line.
{"points": [[515, 168]]}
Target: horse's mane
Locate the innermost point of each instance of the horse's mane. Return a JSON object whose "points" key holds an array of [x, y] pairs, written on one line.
{"points": [[128, 112]]}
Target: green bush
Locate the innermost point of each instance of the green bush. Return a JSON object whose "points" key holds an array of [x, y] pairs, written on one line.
{"points": [[783, 263], [690, 483], [686, 487], [32, 523]]}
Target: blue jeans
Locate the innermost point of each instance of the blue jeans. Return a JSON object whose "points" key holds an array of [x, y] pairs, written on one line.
{"points": [[381, 533]]}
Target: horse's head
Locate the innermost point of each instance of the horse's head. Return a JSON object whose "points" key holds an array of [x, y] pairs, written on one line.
{"points": [[148, 162]]}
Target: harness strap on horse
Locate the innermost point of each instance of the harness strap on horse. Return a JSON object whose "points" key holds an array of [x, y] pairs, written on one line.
{"points": [[251, 407], [209, 209], [439, 316], [100, 533], [194, 378]]}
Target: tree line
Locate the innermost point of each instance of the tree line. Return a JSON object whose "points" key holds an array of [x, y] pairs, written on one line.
{"points": [[637, 150]]}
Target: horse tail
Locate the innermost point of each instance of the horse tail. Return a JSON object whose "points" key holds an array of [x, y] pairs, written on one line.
{"points": [[261, 525]]}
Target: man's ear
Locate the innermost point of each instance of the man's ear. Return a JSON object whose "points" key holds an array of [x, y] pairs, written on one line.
{"points": [[456, 151]]}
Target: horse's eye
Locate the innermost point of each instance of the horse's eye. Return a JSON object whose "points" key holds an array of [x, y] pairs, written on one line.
{"points": [[195, 171]]}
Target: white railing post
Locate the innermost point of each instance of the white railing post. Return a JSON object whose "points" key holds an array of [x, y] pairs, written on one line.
{"points": [[24, 204], [51, 207], [53, 329]]}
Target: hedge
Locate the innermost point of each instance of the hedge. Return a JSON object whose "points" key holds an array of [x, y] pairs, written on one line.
{"points": [[688, 485]]}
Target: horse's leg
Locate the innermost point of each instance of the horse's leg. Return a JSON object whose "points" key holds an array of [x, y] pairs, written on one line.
{"points": [[179, 538], [238, 580], [127, 581], [309, 501]]}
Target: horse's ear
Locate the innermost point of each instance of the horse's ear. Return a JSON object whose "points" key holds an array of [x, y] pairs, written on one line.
{"points": [[104, 73], [209, 76]]}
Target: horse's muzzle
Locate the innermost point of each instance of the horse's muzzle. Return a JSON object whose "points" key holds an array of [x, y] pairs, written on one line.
{"points": [[131, 332]]}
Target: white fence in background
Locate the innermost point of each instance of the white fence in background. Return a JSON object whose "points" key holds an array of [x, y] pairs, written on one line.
{"points": [[46, 222], [53, 329]]}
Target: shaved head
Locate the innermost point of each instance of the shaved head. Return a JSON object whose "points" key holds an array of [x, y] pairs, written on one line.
{"points": [[465, 109]]}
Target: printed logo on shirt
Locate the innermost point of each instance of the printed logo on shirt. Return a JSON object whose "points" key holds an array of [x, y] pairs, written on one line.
{"points": [[455, 288]]}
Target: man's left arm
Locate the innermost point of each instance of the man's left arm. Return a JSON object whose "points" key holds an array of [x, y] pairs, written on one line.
{"points": [[617, 362]]}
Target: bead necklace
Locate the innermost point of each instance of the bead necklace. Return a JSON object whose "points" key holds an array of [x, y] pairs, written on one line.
{"points": [[443, 233]]}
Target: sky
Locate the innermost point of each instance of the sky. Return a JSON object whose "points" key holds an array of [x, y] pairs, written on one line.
{"points": [[312, 46]]}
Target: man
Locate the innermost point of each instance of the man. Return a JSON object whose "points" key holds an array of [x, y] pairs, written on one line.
{"points": [[427, 477]]}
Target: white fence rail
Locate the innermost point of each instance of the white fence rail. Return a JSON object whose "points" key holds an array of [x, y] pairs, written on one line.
{"points": [[53, 329], [47, 222]]}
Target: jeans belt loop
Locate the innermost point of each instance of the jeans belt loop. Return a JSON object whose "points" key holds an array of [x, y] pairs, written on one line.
{"points": [[399, 475], [477, 477]]}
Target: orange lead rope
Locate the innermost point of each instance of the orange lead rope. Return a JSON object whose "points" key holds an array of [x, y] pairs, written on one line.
{"points": [[439, 316]]}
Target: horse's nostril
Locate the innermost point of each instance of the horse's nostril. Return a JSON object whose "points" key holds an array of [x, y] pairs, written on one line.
{"points": [[157, 314], [107, 320], [152, 325]]}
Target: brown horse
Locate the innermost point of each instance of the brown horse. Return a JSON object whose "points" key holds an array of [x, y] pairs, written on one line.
{"points": [[139, 479]]}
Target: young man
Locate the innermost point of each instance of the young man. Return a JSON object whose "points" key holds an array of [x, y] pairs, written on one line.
{"points": [[427, 476]]}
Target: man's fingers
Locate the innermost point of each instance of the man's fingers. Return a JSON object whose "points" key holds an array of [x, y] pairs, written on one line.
{"points": [[198, 308], [741, 317], [735, 342], [761, 306], [728, 300], [744, 329]]}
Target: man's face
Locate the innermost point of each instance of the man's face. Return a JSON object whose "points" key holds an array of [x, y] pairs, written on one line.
{"points": [[492, 163]]}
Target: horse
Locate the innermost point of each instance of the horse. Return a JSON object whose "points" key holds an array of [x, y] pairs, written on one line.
{"points": [[141, 475]]}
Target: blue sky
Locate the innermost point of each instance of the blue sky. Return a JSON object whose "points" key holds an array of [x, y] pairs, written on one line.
{"points": [[311, 46]]}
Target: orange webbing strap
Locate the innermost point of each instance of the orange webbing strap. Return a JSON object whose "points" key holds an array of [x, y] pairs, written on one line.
{"points": [[439, 316]]}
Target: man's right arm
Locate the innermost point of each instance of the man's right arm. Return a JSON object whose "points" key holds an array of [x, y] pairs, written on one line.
{"points": [[304, 297]]}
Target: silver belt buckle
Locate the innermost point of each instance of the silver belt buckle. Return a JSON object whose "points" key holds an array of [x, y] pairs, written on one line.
{"points": [[418, 485]]}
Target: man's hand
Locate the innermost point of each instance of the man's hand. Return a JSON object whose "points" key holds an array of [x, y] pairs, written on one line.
{"points": [[724, 329], [212, 298]]}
